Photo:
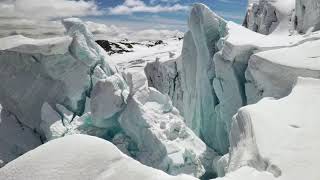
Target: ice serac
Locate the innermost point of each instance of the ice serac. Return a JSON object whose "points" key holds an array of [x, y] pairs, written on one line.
{"points": [[281, 140], [80, 157], [55, 73], [200, 99], [243, 67], [308, 15], [269, 16], [166, 77], [162, 138], [56, 70], [51, 125], [58, 122], [108, 98]]}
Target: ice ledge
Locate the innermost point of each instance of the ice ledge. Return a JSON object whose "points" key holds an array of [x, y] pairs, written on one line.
{"points": [[50, 46]]}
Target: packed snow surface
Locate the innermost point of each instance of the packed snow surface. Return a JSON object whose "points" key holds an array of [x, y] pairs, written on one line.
{"points": [[80, 157], [283, 139]]}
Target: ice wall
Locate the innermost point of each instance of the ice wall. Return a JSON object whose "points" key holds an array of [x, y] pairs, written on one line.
{"points": [[15, 138], [200, 99]]}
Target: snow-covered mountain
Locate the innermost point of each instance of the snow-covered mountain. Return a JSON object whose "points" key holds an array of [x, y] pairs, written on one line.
{"points": [[226, 101]]}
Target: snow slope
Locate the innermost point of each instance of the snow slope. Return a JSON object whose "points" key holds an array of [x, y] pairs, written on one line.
{"points": [[283, 139], [82, 157], [273, 73]]}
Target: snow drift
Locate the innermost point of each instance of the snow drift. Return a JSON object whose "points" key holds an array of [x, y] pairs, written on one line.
{"points": [[290, 123], [82, 157]]}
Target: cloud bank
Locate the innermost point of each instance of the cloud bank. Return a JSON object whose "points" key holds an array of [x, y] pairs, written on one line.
{"points": [[46, 9], [138, 6]]}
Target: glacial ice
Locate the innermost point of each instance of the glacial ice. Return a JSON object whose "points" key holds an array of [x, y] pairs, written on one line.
{"points": [[243, 71], [56, 70], [15, 138], [80, 157], [206, 28], [162, 138], [165, 77], [308, 15], [73, 88], [80, 92], [51, 123], [108, 98]]}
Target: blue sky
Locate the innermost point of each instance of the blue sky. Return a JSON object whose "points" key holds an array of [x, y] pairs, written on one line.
{"points": [[162, 14], [134, 14]]}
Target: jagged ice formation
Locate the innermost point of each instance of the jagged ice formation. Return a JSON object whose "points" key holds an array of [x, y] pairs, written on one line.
{"points": [[245, 67], [74, 89]]}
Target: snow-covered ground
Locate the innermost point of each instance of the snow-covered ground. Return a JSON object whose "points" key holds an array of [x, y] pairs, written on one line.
{"points": [[80, 157], [142, 54]]}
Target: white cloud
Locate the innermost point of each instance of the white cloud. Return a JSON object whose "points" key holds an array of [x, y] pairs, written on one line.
{"points": [[166, 1], [134, 6], [116, 33], [46, 9]]}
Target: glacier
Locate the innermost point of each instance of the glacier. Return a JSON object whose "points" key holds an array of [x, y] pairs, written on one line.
{"points": [[80, 92], [247, 66], [239, 102]]}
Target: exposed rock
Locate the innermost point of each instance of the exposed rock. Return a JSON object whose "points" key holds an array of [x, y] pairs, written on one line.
{"points": [[114, 48]]}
